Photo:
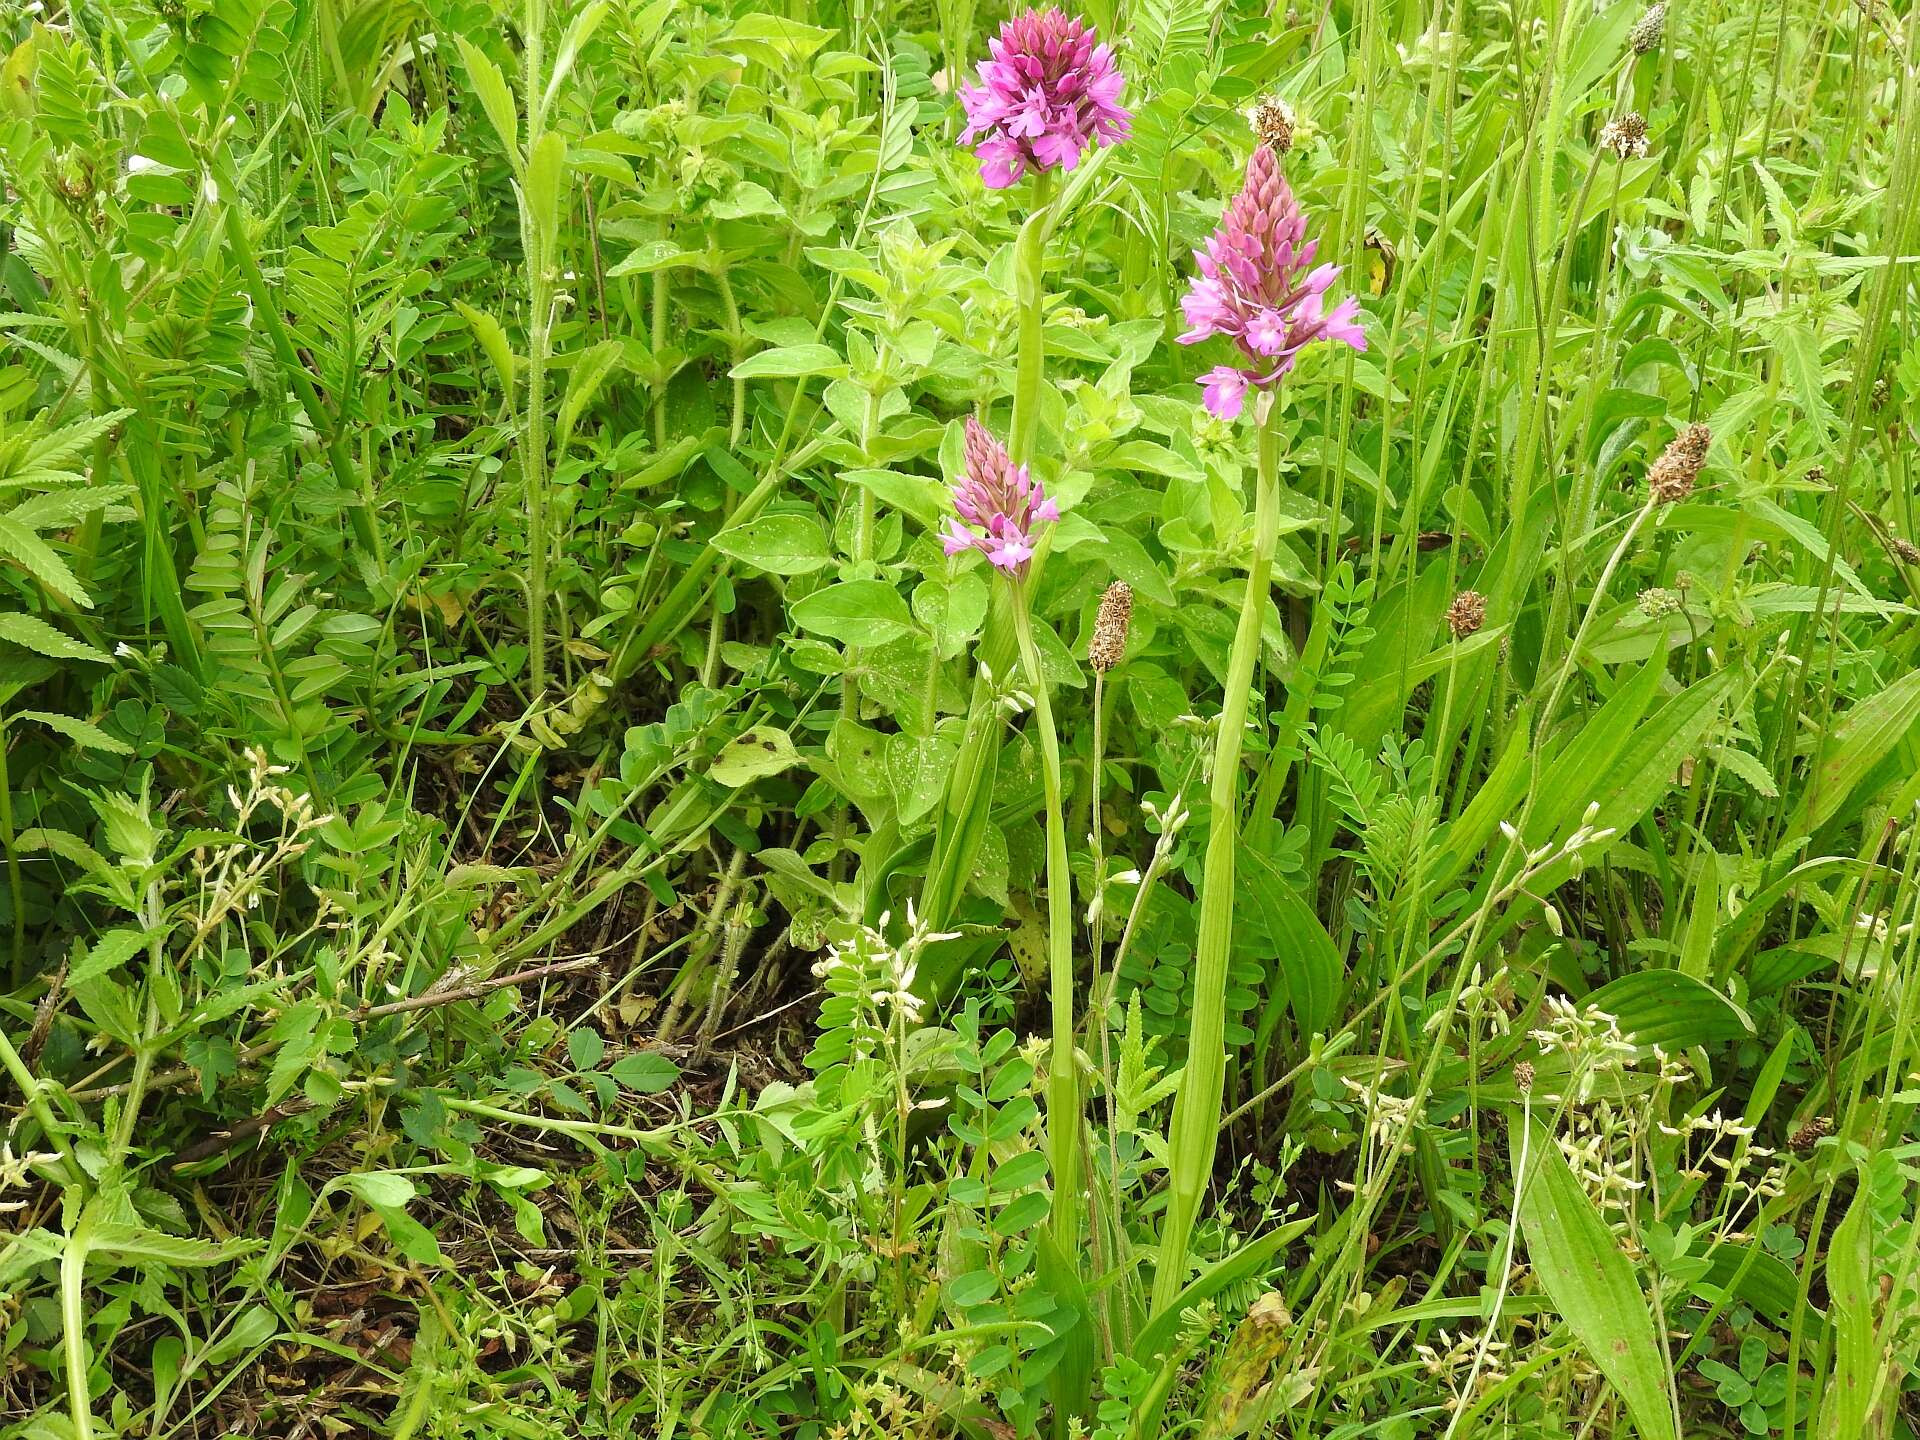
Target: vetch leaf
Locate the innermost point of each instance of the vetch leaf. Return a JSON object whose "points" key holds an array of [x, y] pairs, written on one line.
{"points": [[35, 634]]}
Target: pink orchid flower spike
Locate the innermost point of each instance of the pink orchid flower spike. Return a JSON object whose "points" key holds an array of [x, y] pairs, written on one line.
{"points": [[1002, 505], [1049, 93], [1258, 286]]}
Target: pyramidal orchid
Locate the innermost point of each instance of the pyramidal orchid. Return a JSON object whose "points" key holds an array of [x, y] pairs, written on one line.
{"points": [[1050, 91], [1002, 504], [1258, 286]]}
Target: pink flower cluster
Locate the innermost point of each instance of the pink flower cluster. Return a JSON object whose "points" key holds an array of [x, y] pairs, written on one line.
{"points": [[1000, 498], [1258, 285], [1049, 92]]}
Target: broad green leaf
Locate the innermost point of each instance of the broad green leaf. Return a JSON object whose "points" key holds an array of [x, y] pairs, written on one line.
{"points": [[761, 751], [546, 188], [579, 31], [953, 610], [658, 255], [790, 362], [1591, 1283], [590, 371], [378, 1187], [920, 496], [855, 612], [495, 97], [1671, 1009], [1588, 760], [1857, 1369], [919, 767], [1649, 761], [644, 1072], [780, 543]]}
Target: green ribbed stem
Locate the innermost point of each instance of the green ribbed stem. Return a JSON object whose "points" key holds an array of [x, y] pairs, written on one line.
{"points": [[1196, 1113]]}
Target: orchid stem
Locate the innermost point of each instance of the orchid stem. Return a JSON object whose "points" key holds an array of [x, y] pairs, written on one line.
{"points": [[1063, 1099], [1196, 1113]]}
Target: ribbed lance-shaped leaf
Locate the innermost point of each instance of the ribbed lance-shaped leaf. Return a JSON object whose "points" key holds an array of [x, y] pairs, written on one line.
{"points": [[1856, 1362], [1671, 1009], [1864, 738], [1591, 1284]]}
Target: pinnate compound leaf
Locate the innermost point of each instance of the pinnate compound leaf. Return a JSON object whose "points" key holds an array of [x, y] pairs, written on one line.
{"points": [[32, 633]]}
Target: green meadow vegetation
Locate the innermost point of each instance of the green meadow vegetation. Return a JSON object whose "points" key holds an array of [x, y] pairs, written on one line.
{"points": [[855, 718]]}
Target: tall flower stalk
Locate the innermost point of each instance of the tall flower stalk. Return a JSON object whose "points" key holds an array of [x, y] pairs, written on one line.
{"points": [[1000, 512], [1048, 93], [1196, 1111], [1259, 287]]}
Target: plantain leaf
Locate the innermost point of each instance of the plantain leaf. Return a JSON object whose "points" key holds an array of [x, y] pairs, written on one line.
{"points": [[1591, 1284], [1671, 1010], [1862, 740], [1856, 1362]]}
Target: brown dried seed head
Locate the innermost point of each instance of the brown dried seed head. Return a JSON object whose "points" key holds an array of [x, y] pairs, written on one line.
{"points": [[1273, 123], [1649, 28], [1466, 614], [1906, 550], [1523, 1076], [1671, 477], [1626, 136], [1816, 475], [1110, 627], [1811, 1133]]}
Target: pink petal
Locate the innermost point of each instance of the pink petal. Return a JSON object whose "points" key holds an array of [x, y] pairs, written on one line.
{"points": [[1224, 391]]}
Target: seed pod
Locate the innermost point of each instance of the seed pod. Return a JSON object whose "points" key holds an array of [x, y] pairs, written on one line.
{"points": [[1466, 614], [1626, 136], [1671, 477], [1908, 552], [1273, 123], [1110, 627], [1811, 1133], [1649, 29]]}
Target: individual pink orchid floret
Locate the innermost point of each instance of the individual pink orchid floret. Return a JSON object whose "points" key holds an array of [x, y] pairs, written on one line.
{"points": [[1003, 506], [1050, 91], [1258, 286]]}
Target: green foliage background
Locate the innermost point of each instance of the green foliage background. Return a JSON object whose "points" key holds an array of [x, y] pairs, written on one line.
{"points": [[494, 941]]}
